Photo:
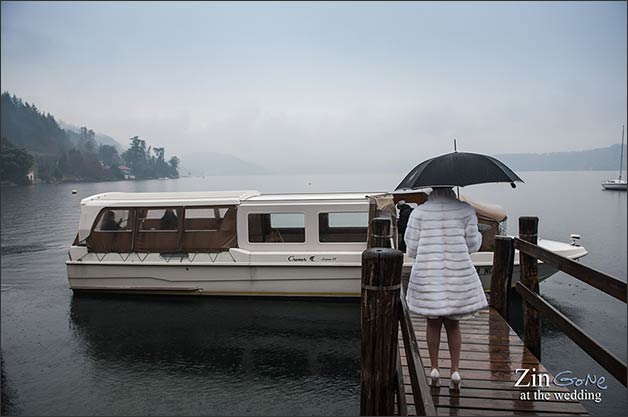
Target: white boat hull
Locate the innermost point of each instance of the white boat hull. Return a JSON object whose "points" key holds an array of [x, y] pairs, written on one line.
{"points": [[615, 186], [246, 274]]}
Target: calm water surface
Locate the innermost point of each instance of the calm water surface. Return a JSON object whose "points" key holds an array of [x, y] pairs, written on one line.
{"points": [[167, 355]]}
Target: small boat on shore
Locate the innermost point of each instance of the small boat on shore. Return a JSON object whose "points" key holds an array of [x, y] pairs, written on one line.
{"points": [[618, 183], [242, 243]]}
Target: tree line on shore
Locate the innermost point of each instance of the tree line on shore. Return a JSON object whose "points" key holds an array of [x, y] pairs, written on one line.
{"points": [[33, 142]]}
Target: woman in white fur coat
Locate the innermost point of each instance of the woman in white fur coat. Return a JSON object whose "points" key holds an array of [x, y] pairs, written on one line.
{"points": [[444, 285]]}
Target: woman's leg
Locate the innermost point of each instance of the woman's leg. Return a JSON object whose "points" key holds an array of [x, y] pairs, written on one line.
{"points": [[432, 334], [454, 340]]}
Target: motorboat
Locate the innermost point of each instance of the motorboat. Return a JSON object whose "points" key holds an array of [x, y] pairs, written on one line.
{"points": [[244, 243]]}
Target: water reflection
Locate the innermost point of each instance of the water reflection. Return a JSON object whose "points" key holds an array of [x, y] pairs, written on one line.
{"points": [[222, 340], [6, 393]]}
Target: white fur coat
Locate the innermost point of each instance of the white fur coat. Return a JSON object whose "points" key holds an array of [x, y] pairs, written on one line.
{"points": [[441, 234]]}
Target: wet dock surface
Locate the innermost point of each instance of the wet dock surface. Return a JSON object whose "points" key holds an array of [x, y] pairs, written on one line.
{"points": [[491, 353]]}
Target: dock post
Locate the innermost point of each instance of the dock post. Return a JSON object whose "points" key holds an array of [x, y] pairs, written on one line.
{"points": [[528, 231], [380, 238], [501, 277], [380, 307]]}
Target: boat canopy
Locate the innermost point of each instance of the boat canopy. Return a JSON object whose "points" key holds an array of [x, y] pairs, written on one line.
{"points": [[487, 211], [196, 198]]}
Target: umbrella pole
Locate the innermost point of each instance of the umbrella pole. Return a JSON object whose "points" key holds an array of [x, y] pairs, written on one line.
{"points": [[457, 188]]}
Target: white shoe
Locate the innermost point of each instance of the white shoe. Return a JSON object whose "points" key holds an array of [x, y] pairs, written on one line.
{"points": [[435, 378], [454, 383]]}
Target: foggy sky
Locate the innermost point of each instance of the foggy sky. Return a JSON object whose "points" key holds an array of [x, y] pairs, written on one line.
{"points": [[303, 86]]}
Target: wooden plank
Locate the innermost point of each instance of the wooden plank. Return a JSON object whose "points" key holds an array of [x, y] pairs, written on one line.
{"points": [[461, 411], [423, 401], [479, 328], [603, 282], [480, 322], [479, 374], [401, 406], [521, 358], [481, 347], [489, 393], [484, 329], [605, 358], [484, 339], [491, 385], [506, 404], [487, 366]]}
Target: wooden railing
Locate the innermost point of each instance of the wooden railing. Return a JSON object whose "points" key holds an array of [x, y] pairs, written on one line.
{"points": [[423, 401], [383, 312], [535, 305]]}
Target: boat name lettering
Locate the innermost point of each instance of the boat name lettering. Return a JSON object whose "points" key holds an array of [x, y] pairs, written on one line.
{"points": [[484, 270], [296, 259]]}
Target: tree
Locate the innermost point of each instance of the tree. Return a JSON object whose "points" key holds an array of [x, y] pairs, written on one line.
{"points": [[109, 155], [135, 157], [87, 142], [27, 127], [149, 162], [174, 167], [15, 163]]}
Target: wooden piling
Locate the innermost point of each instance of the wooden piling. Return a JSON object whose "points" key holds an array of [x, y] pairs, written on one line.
{"points": [[380, 238], [380, 305], [528, 231], [501, 276]]}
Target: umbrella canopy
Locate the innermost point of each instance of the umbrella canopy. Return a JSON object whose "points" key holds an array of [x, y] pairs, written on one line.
{"points": [[458, 169]]}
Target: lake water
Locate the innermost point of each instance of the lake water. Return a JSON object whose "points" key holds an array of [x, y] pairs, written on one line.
{"points": [[188, 356]]}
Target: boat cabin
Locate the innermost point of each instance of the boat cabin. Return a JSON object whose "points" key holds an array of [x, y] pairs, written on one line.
{"points": [[196, 222], [219, 221]]}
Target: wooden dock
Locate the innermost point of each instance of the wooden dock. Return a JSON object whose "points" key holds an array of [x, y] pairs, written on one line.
{"points": [[395, 361], [491, 353]]}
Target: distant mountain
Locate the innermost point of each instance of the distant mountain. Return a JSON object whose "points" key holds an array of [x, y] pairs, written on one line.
{"points": [[100, 138], [213, 163], [600, 159]]}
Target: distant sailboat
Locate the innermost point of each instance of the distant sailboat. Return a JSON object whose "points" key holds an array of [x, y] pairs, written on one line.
{"points": [[618, 183]]}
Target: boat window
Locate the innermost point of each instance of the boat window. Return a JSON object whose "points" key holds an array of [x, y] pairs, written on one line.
{"points": [[343, 227], [204, 218], [114, 220], [276, 228], [209, 229], [159, 220], [112, 232], [159, 229]]}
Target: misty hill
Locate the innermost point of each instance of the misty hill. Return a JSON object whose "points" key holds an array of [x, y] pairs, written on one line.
{"points": [[34, 140], [213, 163], [25, 126], [606, 159], [99, 137]]}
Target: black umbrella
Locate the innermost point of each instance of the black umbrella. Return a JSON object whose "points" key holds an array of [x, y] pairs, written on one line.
{"points": [[458, 169]]}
